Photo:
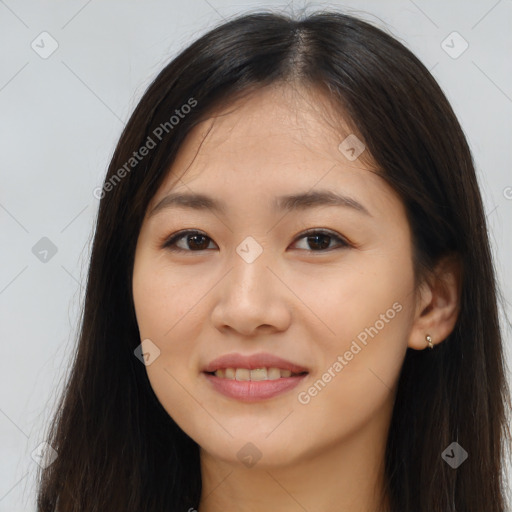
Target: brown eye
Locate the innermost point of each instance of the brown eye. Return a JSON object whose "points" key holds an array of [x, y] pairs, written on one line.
{"points": [[194, 241], [318, 241]]}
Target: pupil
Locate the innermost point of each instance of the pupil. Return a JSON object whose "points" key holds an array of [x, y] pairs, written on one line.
{"points": [[193, 237], [325, 237]]}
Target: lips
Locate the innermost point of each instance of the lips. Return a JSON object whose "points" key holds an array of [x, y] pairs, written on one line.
{"points": [[253, 377], [253, 362]]}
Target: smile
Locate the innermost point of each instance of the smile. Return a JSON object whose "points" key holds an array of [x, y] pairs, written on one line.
{"points": [[246, 389], [258, 374]]}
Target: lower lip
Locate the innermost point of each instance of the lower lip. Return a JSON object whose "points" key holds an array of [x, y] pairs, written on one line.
{"points": [[253, 391]]}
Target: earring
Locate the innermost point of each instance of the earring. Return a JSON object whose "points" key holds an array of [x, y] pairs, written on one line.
{"points": [[429, 341]]}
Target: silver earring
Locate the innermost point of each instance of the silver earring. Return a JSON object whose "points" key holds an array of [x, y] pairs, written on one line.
{"points": [[429, 341]]}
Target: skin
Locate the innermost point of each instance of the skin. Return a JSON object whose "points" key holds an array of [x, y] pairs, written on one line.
{"points": [[302, 304]]}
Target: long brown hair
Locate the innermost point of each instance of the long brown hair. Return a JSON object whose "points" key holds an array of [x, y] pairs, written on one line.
{"points": [[118, 449]]}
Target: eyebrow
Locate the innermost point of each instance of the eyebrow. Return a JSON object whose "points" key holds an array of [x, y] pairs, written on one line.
{"points": [[292, 202]]}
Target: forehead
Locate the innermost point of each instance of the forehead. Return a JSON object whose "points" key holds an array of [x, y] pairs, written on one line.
{"points": [[273, 119], [276, 141]]}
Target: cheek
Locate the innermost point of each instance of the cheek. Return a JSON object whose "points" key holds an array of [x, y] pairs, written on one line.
{"points": [[354, 388], [363, 293], [367, 315], [159, 298], [167, 313]]}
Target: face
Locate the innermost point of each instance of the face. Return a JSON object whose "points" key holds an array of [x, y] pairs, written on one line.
{"points": [[323, 285]]}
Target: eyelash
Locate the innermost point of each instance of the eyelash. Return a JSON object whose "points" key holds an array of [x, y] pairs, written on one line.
{"points": [[170, 243]]}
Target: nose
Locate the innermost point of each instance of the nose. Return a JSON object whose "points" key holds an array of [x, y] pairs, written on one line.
{"points": [[252, 298]]}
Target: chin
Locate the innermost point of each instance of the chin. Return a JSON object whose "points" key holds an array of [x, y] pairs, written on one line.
{"points": [[253, 451]]}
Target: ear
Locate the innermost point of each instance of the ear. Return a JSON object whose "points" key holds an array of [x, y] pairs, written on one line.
{"points": [[437, 304]]}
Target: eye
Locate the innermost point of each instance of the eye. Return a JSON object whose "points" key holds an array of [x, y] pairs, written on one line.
{"points": [[195, 239], [321, 239]]}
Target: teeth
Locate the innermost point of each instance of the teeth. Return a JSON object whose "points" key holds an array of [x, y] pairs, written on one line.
{"points": [[273, 373], [259, 374], [244, 374]]}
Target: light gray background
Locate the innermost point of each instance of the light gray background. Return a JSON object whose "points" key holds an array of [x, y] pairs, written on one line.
{"points": [[60, 118]]}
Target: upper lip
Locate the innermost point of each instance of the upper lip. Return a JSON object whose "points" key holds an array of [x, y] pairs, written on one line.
{"points": [[251, 362]]}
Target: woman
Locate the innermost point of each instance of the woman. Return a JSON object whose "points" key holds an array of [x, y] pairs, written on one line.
{"points": [[291, 302]]}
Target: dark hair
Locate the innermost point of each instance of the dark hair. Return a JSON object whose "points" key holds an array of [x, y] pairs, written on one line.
{"points": [[118, 449]]}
